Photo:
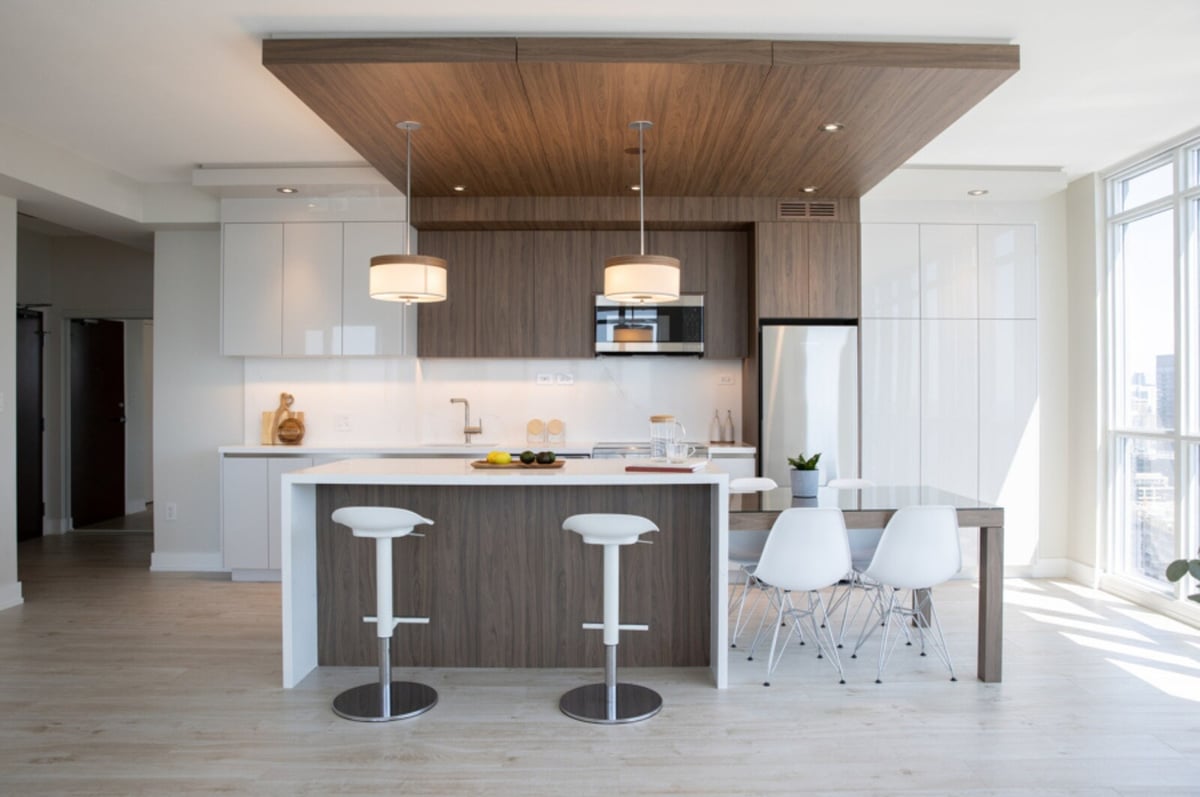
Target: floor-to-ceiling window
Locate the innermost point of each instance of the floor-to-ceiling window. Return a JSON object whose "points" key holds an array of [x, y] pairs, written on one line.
{"points": [[1153, 211]]}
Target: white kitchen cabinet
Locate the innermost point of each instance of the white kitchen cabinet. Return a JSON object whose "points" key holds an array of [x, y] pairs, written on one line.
{"points": [[244, 517], [250, 506], [252, 290], [1007, 271], [312, 288], [950, 405], [1009, 431], [300, 289], [891, 400], [891, 271], [738, 466], [949, 271], [369, 326]]}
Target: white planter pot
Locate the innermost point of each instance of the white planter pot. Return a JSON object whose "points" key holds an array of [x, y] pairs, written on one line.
{"points": [[804, 483]]}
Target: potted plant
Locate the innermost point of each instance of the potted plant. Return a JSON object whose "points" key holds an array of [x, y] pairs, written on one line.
{"points": [[805, 475], [1180, 568]]}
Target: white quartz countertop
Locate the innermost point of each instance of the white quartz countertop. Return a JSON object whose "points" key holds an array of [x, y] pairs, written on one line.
{"points": [[446, 449], [459, 471]]}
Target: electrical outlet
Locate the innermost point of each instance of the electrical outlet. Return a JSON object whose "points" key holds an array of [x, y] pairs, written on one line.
{"points": [[341, 422], [725, 380], [545, 379], [171, 511], [564, 379]]}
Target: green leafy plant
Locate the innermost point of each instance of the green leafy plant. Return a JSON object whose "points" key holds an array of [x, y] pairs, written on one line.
{"points": [[800, 463], [1180, 568]]}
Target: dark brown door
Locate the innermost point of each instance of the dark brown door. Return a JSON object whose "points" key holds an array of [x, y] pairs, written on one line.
{"points": [[29, 425], [97, 421]]}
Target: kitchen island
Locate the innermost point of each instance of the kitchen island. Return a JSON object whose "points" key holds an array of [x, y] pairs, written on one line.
{"points": [[502, 583]]}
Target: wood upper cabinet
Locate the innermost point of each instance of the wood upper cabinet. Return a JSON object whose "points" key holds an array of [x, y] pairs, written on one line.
{"points": [[562, 295], [727, 299], [504, 277], [806, 270], [690, 247], [447, 329]]}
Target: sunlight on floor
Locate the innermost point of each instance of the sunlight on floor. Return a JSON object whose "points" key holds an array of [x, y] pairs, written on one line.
{"points": [[1159, 621], [1095, 628], [1175, 684], [1089, 593], [1135, 652], [1048, 604]]}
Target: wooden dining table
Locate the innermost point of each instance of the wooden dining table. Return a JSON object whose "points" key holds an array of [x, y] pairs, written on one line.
{"points": [[872, 507]]}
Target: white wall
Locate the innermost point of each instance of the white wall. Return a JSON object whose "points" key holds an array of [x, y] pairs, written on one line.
{"points": [[139, 414], [1084, 397], [10, 588], [198, 396], [77, 277], [406, 402], [1043, 548]]}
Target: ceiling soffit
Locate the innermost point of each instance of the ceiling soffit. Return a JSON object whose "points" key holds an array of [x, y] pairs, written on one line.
{"points": [[549, 117]]}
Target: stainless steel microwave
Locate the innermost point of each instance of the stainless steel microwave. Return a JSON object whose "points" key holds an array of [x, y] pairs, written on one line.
{"points": [[672, 328]]}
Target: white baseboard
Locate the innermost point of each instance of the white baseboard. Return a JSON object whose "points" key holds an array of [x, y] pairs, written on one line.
{"points": [[10, 595], [186, 562], [1081, 573], [55, 525], [135, 505], [255, 575], [1052, 568]]}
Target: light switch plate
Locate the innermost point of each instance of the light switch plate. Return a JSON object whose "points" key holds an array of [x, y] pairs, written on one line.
{"points": [[564, 379], [545, 379]]}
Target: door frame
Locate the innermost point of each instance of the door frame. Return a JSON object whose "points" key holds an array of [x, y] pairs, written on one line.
{"points": [[64, 409]]}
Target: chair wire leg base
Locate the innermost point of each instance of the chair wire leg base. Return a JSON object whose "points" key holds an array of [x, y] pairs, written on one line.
{"points": [[385, 700], [611, 703]]}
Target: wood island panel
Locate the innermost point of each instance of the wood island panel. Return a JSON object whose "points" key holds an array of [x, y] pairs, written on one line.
{"points": [[505, 586]]}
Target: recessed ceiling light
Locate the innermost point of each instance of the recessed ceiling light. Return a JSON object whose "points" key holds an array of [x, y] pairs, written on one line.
{"points": [[635, 188], [977, 192], [809, 189], [287, 189], [832, 127], [460, 188]]}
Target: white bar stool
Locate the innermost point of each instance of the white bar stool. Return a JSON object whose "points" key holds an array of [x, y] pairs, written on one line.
{"points": [[387, 699], [610, 703]]}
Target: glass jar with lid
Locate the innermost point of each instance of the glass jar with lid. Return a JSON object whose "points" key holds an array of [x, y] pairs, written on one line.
{"points": [[664, 429]]}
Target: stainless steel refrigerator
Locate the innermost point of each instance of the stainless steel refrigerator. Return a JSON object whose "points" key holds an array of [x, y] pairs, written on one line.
{"points": [[808, 386]]}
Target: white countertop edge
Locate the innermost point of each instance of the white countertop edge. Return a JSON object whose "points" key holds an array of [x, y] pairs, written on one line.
{"points": [[716, 451], [460, 472]]}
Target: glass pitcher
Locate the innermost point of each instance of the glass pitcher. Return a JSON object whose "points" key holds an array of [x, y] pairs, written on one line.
{"points": [[664, 429]]}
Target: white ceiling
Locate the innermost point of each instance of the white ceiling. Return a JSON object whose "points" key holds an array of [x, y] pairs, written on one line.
{"points": [[151, 89]]}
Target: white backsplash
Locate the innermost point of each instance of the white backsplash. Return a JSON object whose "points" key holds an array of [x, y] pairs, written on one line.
{"points": [[370, 402]]}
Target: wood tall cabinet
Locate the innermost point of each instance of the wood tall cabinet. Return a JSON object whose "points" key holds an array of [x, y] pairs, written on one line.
{"points": [[727, 298], [806, 270]]}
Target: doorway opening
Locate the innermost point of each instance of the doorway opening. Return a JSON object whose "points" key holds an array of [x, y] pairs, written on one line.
{"points": [[31, 425]]}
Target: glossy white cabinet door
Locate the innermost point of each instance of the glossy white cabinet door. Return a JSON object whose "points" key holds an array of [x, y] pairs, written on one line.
{"points": [[1007, 271], [891, 271], [949, 271], [252, 289], [276, 467], [891, 401], [312, 288], [244, 516], [950, 405], [369, 326], [1009, 430]]}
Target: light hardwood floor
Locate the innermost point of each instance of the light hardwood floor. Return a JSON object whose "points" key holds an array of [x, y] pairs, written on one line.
{"points": [[116, 680]]}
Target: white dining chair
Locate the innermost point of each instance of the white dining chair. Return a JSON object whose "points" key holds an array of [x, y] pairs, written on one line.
{"points": [[805, 552], [745, 548], [919, 549], [862, 548]]}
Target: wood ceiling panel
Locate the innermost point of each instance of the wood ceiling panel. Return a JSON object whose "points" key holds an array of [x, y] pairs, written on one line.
{"points": [[549, 117]]}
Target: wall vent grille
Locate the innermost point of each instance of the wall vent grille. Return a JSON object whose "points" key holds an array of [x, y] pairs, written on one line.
{"points": [[800, 209]]}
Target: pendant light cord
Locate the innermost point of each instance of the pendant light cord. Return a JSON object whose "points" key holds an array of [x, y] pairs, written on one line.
{"points": [[408, 192], [642, 187]]}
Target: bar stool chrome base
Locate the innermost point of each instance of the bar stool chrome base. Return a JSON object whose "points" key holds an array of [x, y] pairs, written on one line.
{"points": [[590, 704], [366, 703]]}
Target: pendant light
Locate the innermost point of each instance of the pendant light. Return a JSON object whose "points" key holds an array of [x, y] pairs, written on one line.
{"points": [[408, 278], [641, 278]]}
